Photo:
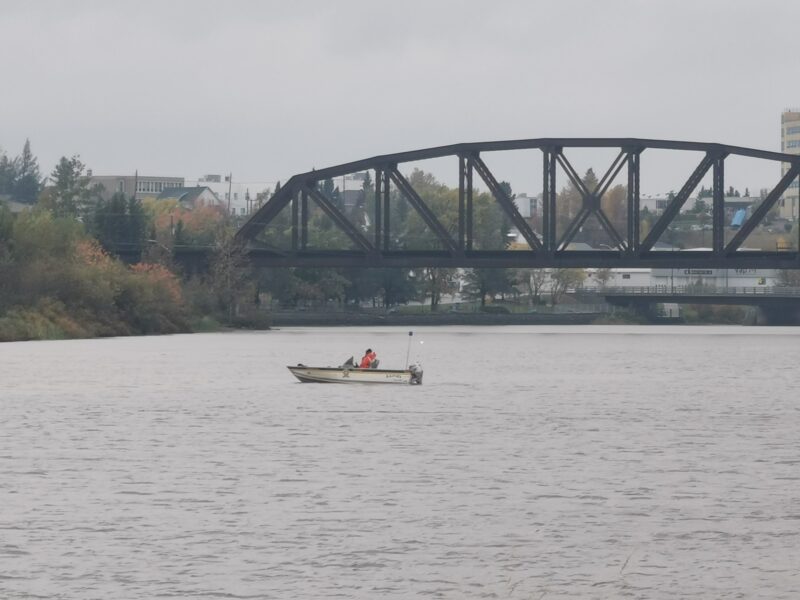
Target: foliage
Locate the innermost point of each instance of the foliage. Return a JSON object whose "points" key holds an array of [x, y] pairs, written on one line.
{"points": [[229, 273], [789, 278], [173, 225], [480, 284], [28, 181], [119, 222], [20, 177], [532, 281], [436, 282], [58, 282], [603, 275], [563, 280], [70, 193], [613, 204]]}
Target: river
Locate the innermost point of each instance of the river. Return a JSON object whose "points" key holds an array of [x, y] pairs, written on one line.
{"points": [[534, 462]]}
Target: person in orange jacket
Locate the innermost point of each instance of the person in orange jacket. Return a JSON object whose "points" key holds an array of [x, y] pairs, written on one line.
{"points": [[366, 361]]}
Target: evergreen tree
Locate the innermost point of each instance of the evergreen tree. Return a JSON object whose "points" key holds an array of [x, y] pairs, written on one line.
{"points": [[119, 223], [27, 183], [8, 175], [70, 193]]}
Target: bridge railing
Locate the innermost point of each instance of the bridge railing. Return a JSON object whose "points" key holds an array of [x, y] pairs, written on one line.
{"points": [[694, 290]]}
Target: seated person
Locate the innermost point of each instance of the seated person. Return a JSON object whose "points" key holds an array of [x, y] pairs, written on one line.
{"points": [[366, 359]]}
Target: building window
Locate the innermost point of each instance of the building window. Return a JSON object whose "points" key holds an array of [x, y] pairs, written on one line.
{"points": [[792, 130], [793, 144], [121, 186], [626, 275]]}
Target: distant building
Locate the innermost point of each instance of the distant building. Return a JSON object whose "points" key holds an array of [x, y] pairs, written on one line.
{"points": [[655, 205], [790, 144], [142, 186], [191, 197], [242, 197], [528, 206]]}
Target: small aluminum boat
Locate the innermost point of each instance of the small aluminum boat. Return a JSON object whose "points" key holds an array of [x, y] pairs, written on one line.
{"points": [[351, 374]]}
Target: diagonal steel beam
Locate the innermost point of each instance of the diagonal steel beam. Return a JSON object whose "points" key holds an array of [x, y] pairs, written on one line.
{"points": [[591, 200], [610, 174], [762, 210], [573, 228], [337, 217], [573, 176], [506, 203], [265, 215], [427, 215], [675, 206], [606, 223]]}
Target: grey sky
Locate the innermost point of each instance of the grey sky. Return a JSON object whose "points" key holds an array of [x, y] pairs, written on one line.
{"points": [[268, 89]]}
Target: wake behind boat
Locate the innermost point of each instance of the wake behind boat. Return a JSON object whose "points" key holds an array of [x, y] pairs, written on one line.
{"points": [[349, 373]]}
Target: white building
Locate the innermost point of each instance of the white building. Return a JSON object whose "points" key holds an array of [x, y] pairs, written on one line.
{"points": [[242, 197], [528, 206], [790, 144]]}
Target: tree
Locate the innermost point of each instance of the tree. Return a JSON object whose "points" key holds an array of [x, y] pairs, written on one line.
{"points": [[8, 174], [602, 276], [563, 280], [532, 280], [570, 202], [119, 223], [437, 282], [395, 286], [27, 183], [229, 272], [789, 278], [70, 193], [483, 283]]}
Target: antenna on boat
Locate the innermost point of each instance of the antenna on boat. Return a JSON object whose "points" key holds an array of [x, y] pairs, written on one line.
{"points": [[408, 348]]}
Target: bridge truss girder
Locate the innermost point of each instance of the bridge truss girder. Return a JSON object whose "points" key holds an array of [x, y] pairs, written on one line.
{"points": [[547, 248]]}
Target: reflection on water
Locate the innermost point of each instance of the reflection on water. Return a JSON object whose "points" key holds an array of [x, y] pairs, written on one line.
{"points": [[533, 463]]}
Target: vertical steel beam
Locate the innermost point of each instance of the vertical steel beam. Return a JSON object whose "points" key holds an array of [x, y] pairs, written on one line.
{"points": [[377, 220], [386, 220], [634, 227], [462, 189], [549, 199], [469, 205], [303, 220], [295, 221], [718, 208]]}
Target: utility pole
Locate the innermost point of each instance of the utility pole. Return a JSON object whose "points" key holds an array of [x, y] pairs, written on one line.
{"points": [[230, 183]]}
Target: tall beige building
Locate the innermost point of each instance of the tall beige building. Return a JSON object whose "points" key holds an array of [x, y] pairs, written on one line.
{"points": [[790, 144]]}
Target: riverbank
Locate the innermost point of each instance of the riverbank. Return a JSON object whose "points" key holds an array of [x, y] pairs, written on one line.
{"points": [[312, 319]]}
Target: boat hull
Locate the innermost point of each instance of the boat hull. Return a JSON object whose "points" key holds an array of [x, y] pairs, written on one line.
{"points": [[338, 375]]}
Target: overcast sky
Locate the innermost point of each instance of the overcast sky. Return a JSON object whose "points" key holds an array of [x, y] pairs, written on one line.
{"points": [[268, 89]]}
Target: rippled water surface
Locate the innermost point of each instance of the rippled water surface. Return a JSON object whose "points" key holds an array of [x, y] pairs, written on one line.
{"points": [[534, 463]]}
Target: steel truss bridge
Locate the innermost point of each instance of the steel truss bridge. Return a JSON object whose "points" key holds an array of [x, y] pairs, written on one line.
{"points": [[548, 248]]}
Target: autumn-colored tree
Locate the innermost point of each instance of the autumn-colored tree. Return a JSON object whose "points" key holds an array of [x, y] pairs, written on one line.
{"points": [[563, 280]]}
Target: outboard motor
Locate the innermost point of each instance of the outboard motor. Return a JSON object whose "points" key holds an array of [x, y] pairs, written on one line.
{"points": [[416, 374]]}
